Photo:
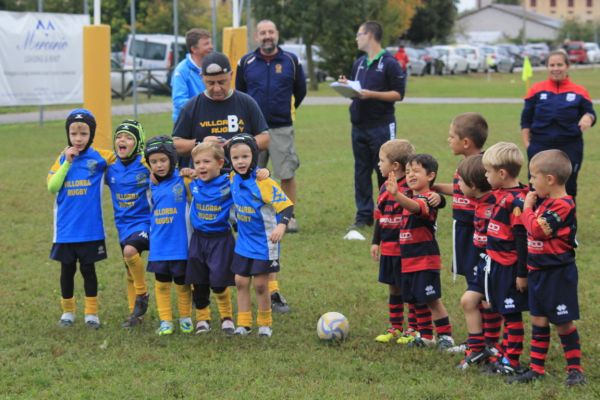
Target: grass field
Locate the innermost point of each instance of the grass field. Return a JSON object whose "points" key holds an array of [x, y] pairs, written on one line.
{"points": [[321, 272]]}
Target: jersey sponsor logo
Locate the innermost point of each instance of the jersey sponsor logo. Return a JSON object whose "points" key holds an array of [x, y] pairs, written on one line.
{"points": [[509, 303], [561, 309], [461, 200], [390, 220], [492, 227], [543, 96], [405, 236], [429, 290], [570, 97], [178, 191], [535, 244]]}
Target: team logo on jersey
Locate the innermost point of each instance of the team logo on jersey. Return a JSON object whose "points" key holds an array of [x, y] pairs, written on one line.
{"points": [[141, 179], [91, 166], [195, 190], [561, 309], [278, 68], [570, 96], [278, 195], [113, 180], [429, 290], [178, 192], [543, 96], [535, 244], [225, 190], [509, 303]]}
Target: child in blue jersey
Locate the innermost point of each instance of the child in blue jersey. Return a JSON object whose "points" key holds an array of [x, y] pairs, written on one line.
{"points": [[168, 235], [129, 181], [262, 212], [76, 179]]}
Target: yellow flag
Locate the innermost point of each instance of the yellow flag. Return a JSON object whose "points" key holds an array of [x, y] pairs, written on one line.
{"points": [[527, 70]]}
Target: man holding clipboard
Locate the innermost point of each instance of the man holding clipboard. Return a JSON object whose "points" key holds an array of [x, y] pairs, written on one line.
{"points": [[381, 82]]}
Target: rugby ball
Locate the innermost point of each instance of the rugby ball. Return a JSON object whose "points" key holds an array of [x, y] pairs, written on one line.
{"points": [[333, 326]]}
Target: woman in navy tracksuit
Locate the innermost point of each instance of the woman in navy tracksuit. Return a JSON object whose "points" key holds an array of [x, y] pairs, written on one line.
{"points": [[556, 113]]}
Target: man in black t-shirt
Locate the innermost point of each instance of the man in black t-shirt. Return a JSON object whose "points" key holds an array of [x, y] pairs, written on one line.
{"points": [[218, 113]]}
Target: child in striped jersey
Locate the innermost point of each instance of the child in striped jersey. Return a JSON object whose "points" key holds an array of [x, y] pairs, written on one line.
{"points": [[550, 221], [76, 179], [129, 182]]}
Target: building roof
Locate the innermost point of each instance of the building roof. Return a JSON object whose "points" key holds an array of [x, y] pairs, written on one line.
{"points": [[518, 11]]}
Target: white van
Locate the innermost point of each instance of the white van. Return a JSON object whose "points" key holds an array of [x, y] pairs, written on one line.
{"points": [[154, 51], [300, 51]]}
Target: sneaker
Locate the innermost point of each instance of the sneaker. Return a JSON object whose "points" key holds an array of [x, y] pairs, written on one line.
{"points": [[408, 336], [165, 328], [503, 367], [92, 321], [292, 226], [388, 336], [141, 305], [445, 342], [66, 320], [459, 348], [131, 322], [575, 377], [279, 304], [186, 325], [474, 357], [526, 377], [202, 327], [422, 342], [265, 331], [360, 225], [227, 327], [242, 331]]}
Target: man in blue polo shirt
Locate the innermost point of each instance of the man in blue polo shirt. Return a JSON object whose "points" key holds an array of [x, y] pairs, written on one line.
{"points": [[372, 114]]}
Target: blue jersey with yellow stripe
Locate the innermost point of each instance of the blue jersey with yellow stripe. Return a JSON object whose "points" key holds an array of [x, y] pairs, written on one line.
{"points": [[77, 208], [169, 233], [129, 185], [257, 205], [211, 202]]}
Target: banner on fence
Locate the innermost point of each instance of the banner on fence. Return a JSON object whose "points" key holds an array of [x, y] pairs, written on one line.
{"points": [[41, 58]]}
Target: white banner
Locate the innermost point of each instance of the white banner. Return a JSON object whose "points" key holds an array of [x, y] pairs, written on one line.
{"points": [[41, 58]]}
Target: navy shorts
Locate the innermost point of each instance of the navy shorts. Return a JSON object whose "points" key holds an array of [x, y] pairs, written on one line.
{"points": [[139, 240], [85, 252], [504, 296], [477, 281], [174, 268], [390, 270], [553, 294], [421, 287], [209, 260], [465, 256], [245, 266]]}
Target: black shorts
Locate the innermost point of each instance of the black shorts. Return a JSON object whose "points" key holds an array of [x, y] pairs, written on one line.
{"points": [[174, 268], [477, 282], [139, 240], [245, 266], [209, 260], [390, 270], [553, 294], [504, 296], [465, 254], [85, 252], [421, 287]]}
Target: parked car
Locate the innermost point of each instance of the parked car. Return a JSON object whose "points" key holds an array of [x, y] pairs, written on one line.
{"points": [[453, 62], [154, 52], [433, 62], [121, 80], [540, 49], [593, 52], [416, 66], [474, 58], [513, 51], [577, 52], [534, 58], [300, 51], [498, 58]]}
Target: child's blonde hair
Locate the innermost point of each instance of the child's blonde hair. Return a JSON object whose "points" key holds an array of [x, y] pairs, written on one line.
{"points": [[398, 150], [552, 162], [214, 149], [504, 155]]}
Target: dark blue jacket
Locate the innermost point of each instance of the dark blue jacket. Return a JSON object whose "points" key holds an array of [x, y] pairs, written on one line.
{"points": [[272, 84], [384, 74], [553, 109]]}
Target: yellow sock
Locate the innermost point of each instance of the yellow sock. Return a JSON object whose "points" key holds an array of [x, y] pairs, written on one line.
{"points": [[91, 305], [273, 286], [264, 318], [184, 300], [130, 292], [162, 292], [203, 314], [224, 304], [244, 318], [138, 272], [68, 305]]}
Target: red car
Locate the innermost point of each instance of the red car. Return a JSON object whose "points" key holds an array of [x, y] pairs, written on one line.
{"points": [[577, 52]]}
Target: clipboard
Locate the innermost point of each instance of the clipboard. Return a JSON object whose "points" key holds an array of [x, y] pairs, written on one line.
{"points": [[351, 89]]}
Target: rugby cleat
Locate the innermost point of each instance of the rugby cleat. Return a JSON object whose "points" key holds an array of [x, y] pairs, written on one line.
{"points": [[389, 335], [165, 328], [186, 325]]}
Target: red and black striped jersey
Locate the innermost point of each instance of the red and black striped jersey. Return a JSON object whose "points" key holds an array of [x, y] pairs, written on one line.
{"points": [[551, 230], [418, 246], [506, 214], [388, 214], [463, 207], [483, 212]]}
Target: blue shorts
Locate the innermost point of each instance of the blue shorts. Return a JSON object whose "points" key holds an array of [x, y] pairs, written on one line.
{"points": [[245, 266], [504, 296], [390, 270], [465, 256], [209, 260], [174, 268], [139, 240], [477, 281], [553, 294], [85, 252], [421, 287]]}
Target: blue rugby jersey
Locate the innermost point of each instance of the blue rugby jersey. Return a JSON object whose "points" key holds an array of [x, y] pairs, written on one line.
{"points": [[257, 205], [551, 230], [169, 234], [78, 208], [129, 185], [211, 202]]}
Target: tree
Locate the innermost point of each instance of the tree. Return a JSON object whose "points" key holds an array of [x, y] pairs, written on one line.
{"points": [[573, 29], [433, 22]]}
